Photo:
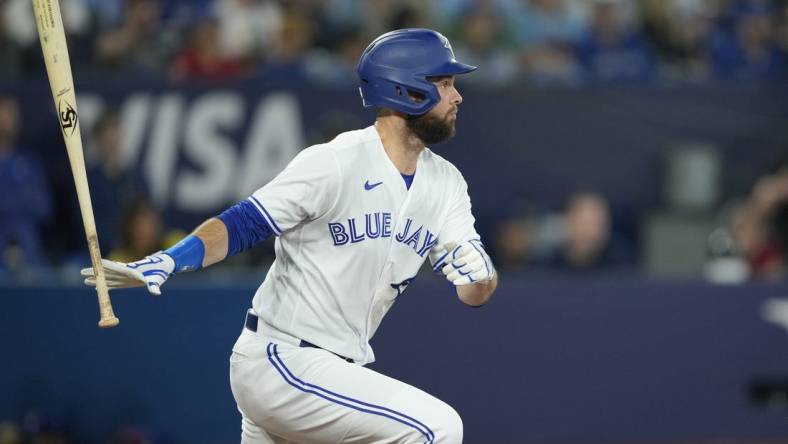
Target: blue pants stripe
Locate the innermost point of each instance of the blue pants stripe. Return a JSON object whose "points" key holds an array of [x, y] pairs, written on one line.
{"points": [[336, 398]]}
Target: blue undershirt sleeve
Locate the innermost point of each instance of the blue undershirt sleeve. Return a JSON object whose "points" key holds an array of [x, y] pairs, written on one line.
{"points": [[246, 227]]}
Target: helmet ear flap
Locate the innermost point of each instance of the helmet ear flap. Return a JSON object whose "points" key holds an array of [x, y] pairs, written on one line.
{"points": [[414, 99]]}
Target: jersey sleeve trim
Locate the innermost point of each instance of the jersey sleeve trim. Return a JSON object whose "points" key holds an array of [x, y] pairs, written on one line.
{"points": [[267, 216]]}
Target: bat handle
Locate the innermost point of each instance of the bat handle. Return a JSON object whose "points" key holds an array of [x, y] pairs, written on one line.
{"points": [[108, 319], [108, 322]]}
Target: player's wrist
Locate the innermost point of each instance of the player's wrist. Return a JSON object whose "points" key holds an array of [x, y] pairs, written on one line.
{"points": [[187, 255]]}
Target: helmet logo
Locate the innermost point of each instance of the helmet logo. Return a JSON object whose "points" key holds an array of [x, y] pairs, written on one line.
{"points": [[446, 43]]}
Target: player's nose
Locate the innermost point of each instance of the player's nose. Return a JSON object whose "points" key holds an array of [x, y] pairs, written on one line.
{"points": [[457, 97]]}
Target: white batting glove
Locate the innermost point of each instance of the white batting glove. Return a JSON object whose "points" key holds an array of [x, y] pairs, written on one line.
{"points": [[467, 263], [150, 272]]}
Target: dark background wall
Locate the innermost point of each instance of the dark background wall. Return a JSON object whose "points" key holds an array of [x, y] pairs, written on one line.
{"points": [[547, 361]]}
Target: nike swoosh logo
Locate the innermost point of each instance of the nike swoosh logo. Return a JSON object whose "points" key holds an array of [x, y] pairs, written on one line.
{"points": [[368, 186]]}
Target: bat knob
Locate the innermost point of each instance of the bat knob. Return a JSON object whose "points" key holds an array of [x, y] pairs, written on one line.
{"points": [[109, 322]]}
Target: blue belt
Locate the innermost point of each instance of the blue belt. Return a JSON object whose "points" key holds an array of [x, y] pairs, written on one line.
{"points": [[251, 324]]}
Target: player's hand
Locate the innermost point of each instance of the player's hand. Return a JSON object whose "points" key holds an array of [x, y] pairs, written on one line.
{"points": [[150, 272], [467, 263]]}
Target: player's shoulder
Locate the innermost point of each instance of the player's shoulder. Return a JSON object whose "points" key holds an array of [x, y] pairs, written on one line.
{"points": [[330, 148], [340, 147], [440, 165], [350, 140], [339, 151]]}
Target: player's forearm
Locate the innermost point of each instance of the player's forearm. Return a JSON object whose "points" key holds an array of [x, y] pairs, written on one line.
{"points": [[213, 234], [238, 228], [206, 245], [479, 293], [244, 227]]}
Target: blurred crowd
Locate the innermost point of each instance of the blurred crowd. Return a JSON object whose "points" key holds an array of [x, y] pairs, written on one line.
{"points": [[758, 226], [539, 42], [34, 429], [748, 239]]}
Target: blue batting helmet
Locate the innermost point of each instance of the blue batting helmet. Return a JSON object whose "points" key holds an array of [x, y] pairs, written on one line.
{"points": [[399, 62]]}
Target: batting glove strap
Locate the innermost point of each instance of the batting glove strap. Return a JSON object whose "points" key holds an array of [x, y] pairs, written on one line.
{"points": [[468, 263]]}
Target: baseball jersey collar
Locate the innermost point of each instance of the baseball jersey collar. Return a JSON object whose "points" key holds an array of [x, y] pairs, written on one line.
{"points": [[388, 165]]}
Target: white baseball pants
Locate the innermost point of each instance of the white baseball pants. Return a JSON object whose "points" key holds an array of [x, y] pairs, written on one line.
{"points": [[287, 393]]}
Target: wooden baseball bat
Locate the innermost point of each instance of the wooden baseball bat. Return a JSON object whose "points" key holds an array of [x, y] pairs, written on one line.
{"points": [[53, 45]]}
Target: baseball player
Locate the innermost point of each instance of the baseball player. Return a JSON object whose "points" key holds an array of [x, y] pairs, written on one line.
{"points": [[354, 220]]}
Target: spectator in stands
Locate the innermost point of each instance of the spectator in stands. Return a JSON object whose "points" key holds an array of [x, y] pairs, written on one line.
{"points": [[112, 183], [543, 21], [588, 242], [611, 51], [376, 16], [517, 241], [447, 14], [781, 34], [587, 233], [749, 50], [136, 45], [548, 32], [248, 29], [760, 225], [142, 231], [20, 28], [679, 30], [108, 13], [337, 67], [288, 59], [10, 53], [580, 239], [409, 15], [483, 42], [203, 59], [25, 202]]}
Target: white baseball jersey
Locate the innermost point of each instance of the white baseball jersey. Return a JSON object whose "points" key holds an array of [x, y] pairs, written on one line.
{"points": [[351, 237]]}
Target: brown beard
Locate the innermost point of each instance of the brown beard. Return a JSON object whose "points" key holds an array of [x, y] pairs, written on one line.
{"points": [[430, 129]]}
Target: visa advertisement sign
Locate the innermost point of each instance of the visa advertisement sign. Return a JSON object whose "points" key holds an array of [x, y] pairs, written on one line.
{"points": [[199, 153]]}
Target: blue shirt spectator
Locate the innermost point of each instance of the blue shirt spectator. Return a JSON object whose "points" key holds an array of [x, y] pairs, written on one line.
{"points": [[483, 43], [610, 51], [112, 185], [748, 51], [539, 22], [26, 202], [547, 33]]}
